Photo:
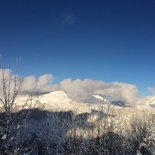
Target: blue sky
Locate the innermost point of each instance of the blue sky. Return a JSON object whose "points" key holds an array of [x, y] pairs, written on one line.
{"points": [[104, 40]]}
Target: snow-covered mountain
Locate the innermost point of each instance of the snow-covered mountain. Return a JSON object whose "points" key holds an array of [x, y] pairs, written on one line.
{"points": [[150, 101], [147, 103], [54, 101], [59, 101]]}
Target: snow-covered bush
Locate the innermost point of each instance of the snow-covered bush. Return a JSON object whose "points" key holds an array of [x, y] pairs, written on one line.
{"points": [[142, 133]]}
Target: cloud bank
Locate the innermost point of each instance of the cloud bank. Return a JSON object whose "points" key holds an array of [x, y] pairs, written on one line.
{"points": [[83, 90], [41, 85], [28, 85], [78, 90]]}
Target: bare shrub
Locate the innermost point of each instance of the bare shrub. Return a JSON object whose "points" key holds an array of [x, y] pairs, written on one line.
{"points": [[12, 122]]}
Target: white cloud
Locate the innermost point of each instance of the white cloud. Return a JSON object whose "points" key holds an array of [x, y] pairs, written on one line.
{"points": [[44, 83], [40, 85], [83, 90], [127, 93], [30, 84], [78, 90], [151, 90]]}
